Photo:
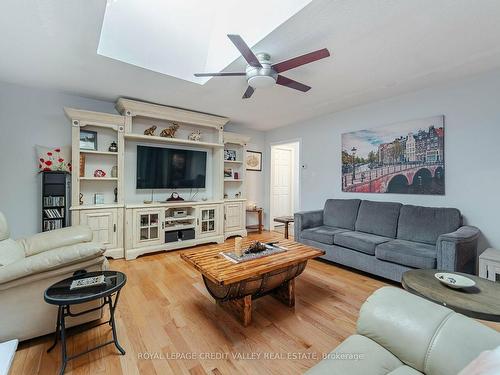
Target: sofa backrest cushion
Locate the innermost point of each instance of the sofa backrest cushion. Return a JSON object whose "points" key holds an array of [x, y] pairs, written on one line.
{"points": [[341, 213], [4, 228], [380, 218], [426, 224], [10, 252]]}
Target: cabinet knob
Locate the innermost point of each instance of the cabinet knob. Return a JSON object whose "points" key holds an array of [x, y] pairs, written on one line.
{"points": [[114, 227]]}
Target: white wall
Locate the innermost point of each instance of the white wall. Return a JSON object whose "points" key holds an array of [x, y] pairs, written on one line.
{"points": [[472, 133], [31, 116]]}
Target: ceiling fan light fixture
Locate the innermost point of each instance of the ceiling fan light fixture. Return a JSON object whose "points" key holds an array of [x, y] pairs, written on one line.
{"points": [[259, 82]]}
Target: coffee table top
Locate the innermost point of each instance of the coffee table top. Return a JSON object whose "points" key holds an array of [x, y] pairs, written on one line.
{"points": [[480, 301], [60, 294], [223, 272]]}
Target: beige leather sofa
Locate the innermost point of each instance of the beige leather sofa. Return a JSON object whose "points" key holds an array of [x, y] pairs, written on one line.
{"points": [[29, 266], [402, 334]]}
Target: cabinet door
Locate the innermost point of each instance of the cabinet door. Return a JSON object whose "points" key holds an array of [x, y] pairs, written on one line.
{"points": [[208, 221], [233, 216], [103, 224], [148, 228]]}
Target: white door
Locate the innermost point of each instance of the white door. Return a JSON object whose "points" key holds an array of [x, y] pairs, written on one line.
{"points": [[233, 216], [103, 225], [282, 199]]}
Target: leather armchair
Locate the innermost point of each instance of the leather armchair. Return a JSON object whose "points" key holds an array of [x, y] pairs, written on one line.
{"points": [[29, 266], [401, 334]]}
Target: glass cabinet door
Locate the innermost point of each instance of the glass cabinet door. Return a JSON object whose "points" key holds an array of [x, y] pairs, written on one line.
{"points": [[208, 220], [149, 226]]}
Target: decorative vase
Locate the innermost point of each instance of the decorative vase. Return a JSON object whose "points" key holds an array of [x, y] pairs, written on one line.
{"points": [[113, 147]]}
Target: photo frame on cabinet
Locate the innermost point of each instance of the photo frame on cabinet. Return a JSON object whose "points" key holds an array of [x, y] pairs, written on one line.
{"points": [[88, 140]]}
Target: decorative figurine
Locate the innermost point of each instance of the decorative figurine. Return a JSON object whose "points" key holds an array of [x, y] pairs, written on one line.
{"points": [[150, 131], [237, 195], [195, 136], [113, 147], [116, 194], [114, 171], [99, 173], [81, 199], [170, 131]]}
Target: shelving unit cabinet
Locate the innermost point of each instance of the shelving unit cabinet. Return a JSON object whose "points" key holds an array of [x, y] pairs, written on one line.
{"points": [[55, 200], [99, 201], [234, 184]]}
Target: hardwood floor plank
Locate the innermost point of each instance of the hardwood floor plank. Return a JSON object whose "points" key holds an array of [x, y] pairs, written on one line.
{"points": [[165, 310]]}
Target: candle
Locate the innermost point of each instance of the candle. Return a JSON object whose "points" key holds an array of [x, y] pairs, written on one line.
{"points": [[237, 246]]}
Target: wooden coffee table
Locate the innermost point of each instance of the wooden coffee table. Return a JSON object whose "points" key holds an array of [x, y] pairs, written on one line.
{"points": [[235, 285], [480, 301]]}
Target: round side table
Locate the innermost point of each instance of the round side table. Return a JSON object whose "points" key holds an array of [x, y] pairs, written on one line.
{"points": [[62, 296]]}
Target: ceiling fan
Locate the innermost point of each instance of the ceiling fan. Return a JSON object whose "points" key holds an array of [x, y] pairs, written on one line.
{"points": [[260, 72]]}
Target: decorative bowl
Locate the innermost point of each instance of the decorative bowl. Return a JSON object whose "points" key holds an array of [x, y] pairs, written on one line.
{"points": [[454, 281]]}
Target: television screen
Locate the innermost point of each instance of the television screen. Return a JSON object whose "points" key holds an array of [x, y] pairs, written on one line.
{"points": [[167, 168]]}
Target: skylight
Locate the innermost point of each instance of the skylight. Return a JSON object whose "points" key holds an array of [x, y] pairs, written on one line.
{"points": [[183, 37]]}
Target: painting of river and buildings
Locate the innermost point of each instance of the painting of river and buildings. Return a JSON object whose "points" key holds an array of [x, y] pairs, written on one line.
{"points": [[404, 158]]}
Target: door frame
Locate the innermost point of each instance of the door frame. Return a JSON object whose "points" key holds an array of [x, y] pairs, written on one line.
{"points": [[296, 177]]}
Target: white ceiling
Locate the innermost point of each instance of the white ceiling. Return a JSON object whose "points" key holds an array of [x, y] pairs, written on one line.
{"points": [[380, 48], [192, 33]]}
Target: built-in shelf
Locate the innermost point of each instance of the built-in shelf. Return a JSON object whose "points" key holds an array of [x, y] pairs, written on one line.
{"points": [[98, 152], [232, 180], [176, 141], [98, 178], [170, 218], [94, 206], [170, 228], [233, 162]]}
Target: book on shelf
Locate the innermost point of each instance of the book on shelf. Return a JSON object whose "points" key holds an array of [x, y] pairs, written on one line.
{"points": [[51, 201], [53, 213], [52, 224]]}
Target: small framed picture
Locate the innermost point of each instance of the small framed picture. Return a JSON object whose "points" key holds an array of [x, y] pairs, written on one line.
{"points": [[88, 140], [228, 173], [230, 155], [254, 161]]}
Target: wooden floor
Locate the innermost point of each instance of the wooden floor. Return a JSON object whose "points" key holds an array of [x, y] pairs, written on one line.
{"points": [[165, 313]]}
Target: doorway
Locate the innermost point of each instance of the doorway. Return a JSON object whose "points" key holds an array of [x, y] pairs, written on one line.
{"points": [[285, 177]]}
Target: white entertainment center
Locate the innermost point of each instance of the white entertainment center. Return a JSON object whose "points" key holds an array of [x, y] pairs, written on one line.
{"points": [[125, 219]]}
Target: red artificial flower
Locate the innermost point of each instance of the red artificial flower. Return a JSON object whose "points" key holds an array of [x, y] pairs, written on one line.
{"points": [[69, 167], [49, 153], [60, 160], [46, 169], [69, 164], [57, 150], [48, 162], [41, 159], [39, 166]]}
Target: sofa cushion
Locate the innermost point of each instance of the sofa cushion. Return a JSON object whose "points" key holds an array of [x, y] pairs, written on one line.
{"points": [[426, 224], [323, 234], [368, 357], [411, 254], [10, 252], [364, 242], [341, 213], [380, 218], [405, 370]]}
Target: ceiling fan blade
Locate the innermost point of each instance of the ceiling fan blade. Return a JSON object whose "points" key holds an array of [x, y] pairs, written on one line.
{"points": [[283, 81], [248, 93], [245, 51], [301, 60], [218, 74]]}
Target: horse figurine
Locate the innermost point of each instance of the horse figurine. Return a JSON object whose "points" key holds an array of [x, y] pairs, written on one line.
{"points": [[150, 131], [170, 131]]}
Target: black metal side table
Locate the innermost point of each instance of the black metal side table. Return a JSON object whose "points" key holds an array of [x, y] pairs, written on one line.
{"points": [[60, 294]]}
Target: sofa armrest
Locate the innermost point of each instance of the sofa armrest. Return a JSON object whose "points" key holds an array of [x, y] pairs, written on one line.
{"points": [[56, 238], [306, 219], [456, 251], [50, 260]]}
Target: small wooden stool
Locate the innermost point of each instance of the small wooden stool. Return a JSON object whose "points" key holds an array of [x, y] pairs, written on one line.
{"points": [[259, 226], [285, 220]]}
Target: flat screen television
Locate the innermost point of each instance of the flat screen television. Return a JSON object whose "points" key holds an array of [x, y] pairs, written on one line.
{"points": [[168, 168]]}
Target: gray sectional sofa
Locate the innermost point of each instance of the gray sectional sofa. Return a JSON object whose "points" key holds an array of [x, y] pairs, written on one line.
{"points": [[388, 238]]}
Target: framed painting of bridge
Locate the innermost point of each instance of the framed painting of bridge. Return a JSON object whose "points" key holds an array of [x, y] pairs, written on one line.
{"points": [[403, 158]]}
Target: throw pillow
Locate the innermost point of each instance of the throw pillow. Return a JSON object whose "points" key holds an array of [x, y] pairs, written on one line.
{"points": [[10, 252], [53, 159]]}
